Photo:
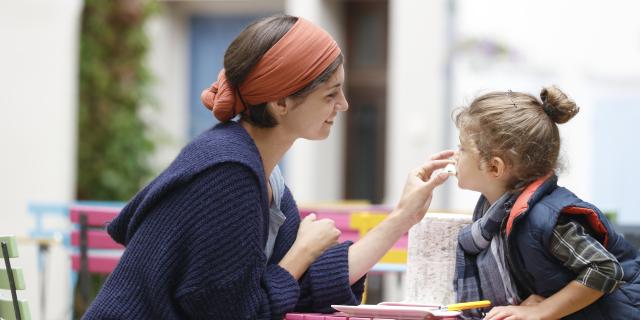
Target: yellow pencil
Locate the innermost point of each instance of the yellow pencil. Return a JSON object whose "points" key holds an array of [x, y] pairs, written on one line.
{"points": [[468, 305]]}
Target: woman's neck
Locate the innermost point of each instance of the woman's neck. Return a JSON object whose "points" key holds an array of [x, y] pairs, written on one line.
{"points": [[272, 145]]}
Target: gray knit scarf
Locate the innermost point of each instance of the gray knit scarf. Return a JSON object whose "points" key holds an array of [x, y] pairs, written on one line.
{"points": [[481, 270]]}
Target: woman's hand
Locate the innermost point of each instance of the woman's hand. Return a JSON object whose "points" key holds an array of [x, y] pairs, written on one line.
{"points": [[418, 190], [313, 238], [413, 205], [316, 236], [514, 313]]}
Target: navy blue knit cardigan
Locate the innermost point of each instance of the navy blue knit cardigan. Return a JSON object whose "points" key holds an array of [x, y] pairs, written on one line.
{"points": [[195, 239]]}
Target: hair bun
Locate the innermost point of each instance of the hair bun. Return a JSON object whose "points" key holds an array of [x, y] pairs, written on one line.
{"points": [[208, 97], [557, 105]]}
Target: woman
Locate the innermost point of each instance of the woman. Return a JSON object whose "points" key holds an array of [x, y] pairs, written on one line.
{"points": [[218, 235]]}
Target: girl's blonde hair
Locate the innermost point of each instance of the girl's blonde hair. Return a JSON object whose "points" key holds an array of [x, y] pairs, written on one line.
{"points": [[519, 129]]}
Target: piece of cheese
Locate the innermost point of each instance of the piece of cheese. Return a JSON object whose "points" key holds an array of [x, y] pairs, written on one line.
{"points": [[450, 169]]}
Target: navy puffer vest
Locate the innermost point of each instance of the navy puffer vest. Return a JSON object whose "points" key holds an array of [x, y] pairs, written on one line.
{"points": [[532, 219]]}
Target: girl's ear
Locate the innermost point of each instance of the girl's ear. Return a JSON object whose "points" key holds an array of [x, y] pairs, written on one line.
{"points": [[497, 167]]}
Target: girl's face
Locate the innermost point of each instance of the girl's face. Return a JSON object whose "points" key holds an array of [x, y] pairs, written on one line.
{"points": [[470, 172], [313, 117], [490, 179]]}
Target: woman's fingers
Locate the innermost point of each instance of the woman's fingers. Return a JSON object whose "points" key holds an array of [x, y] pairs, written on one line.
{"points": [[310, 217], [424, 172], [445, 154], [436, 180], [437, 161]]}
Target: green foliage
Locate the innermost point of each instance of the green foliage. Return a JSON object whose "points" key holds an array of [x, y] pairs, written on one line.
{"points": [[113, 141]]}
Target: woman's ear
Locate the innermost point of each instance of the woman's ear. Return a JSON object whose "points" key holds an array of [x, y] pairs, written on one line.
{"points": [[278, 107]]}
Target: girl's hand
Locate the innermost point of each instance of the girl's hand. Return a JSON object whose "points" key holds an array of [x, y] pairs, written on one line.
{"points": [[514, 313], [532, 300], [573, 297], [418, 190]]}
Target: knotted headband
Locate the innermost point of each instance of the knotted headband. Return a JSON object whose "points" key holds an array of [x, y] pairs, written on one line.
{"points": [[298, 58]]}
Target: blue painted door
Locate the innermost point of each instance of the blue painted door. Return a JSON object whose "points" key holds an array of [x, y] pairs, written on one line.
{"points": [[209, 38]]}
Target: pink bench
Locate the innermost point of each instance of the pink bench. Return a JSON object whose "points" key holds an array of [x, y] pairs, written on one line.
{"points": [[343, 220], [348, 219], [97, 253], [92, 240]]}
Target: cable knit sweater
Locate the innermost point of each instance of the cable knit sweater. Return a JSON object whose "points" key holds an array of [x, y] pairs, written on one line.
{"points": [[195, 239]]}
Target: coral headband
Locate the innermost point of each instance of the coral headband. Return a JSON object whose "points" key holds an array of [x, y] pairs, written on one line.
{"points": [[298, 58]]}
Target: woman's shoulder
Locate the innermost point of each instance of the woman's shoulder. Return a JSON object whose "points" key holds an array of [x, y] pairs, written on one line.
{"points": [[225, 142], [228, 182]]}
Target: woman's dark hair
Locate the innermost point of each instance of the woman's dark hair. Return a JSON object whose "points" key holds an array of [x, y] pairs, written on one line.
{"points": [[246, 50]]}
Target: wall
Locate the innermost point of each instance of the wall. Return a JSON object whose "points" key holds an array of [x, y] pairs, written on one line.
{"points": [[169, 62], [416, 109], [314, 169], [38, 63]]}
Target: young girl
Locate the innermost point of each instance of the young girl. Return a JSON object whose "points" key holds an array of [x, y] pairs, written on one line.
{"points": [[535, 249]]}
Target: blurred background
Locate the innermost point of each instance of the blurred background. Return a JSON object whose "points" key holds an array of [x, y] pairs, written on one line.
{"points": [[97, 97]]}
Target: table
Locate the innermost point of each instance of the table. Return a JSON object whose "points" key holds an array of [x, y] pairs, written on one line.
{"points": [[336, 316], [318, 316]]}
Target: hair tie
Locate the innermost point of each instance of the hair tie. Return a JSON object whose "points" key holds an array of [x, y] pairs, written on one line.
{"points": [[549, 109], [510, 95], [222, 99]]}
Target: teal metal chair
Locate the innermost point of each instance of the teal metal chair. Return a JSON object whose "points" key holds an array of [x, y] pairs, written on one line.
{"points": [[12, 279]]}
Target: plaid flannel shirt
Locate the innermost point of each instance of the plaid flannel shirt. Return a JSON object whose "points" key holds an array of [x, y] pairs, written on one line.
{"points": [[596, 267]]}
